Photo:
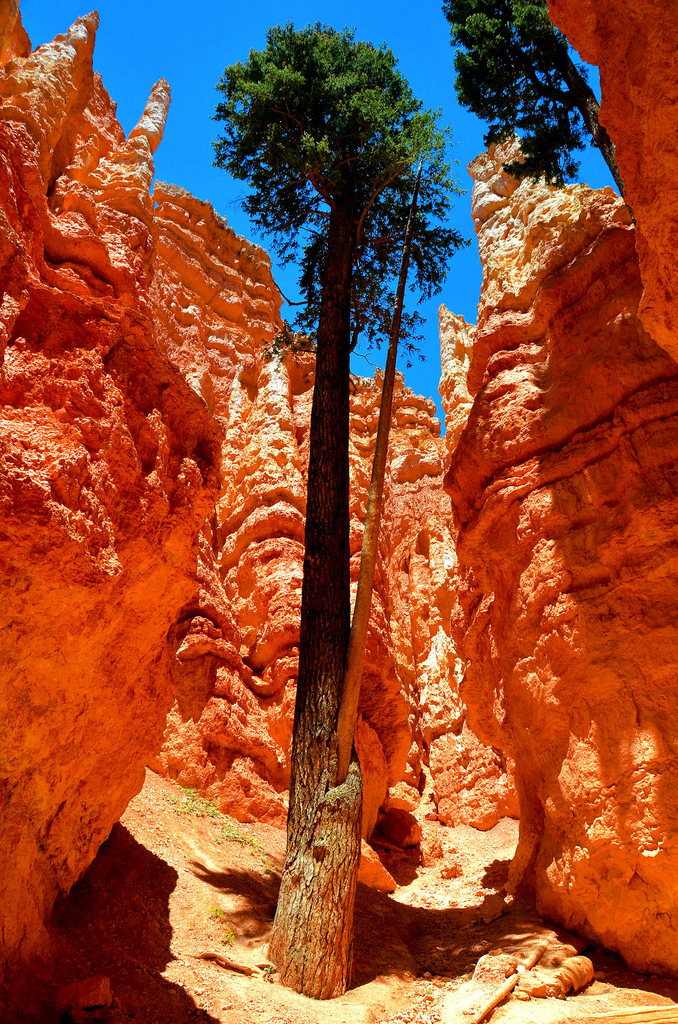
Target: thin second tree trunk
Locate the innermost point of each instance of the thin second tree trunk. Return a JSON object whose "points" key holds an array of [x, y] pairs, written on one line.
{"points": [[312, 938], [350, 694]]}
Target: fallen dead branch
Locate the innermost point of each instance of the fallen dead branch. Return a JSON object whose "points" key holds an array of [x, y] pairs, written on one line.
{"points": [[639, 1014], [378, 841], [226, 963], [509, 984], [572, 974]]}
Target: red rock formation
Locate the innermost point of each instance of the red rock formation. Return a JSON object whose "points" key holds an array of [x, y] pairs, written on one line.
{"points": [[565, 493], [132, 335], [217, 307], [635, 47], [109, 465], [456, 346]]}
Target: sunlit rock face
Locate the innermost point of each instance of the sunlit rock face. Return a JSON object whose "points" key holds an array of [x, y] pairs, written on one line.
{"points": [[635, 46], [109, 466], [152, 495], [229, 732], [564, 493], [456, 346]]}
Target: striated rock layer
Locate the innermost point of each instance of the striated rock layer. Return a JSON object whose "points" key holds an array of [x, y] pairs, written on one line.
{"points": [[109, 466], [565, 494], [229, 732], [635, 47]]}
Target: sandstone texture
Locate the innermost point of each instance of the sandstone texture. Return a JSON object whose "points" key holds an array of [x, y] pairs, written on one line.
{"points": [[152, 502], [565, 496], [635, 47], [229, 732], [456, 347], [109, 467]]}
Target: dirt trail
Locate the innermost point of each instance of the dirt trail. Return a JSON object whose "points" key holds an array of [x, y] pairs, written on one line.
{"points": [[173, 881]]}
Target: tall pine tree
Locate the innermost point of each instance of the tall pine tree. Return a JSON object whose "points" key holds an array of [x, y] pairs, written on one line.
{"points": [[514, 70], [326, 131]]}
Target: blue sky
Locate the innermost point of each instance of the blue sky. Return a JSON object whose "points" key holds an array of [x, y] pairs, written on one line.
{"points": [[191, 44]]}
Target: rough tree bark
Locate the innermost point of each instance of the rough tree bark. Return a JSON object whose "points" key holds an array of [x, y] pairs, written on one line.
{"points": [[355, 658], [312, 939]]}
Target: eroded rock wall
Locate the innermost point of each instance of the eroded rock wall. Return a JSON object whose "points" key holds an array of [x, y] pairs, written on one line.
{"points": [[565, 495], [109, 466], [229, 732], [237, 750], [635, 46]]}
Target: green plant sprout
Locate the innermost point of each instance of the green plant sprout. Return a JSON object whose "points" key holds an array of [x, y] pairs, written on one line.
{"points": [[191, 803], [229, 830]]}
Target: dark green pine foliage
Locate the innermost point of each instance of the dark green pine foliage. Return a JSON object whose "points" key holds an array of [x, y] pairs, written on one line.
{"points": [[514, 70], [317, 113]]}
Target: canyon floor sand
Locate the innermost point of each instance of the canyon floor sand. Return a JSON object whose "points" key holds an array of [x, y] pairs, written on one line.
{"points": [[176, 880]]}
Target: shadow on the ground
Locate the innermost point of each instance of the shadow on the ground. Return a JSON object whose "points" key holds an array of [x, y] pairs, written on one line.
{"points": [[496, 874], [391, 938], [413, 940], [402, 865], [258, 890], [115, 922]]}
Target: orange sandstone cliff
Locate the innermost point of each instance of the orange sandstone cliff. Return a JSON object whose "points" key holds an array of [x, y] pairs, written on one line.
{"points": [[635, 46], [109, 466], [565, 495]]}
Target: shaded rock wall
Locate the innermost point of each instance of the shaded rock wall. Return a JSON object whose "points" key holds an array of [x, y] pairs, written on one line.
{"points": [[109, 466], [635, 47], [565, 494]]}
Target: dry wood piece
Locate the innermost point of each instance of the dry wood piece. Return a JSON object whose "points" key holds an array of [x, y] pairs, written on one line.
{"points": [[639, 1014], [573, 974], [378, 841], [496, 998], [508, 985], [229, 965]]}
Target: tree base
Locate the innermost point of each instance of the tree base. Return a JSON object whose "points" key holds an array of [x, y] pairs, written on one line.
{"points": [[312, 938]]}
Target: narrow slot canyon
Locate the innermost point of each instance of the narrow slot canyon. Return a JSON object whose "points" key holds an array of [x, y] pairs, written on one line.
{"points": [[518, 716]]}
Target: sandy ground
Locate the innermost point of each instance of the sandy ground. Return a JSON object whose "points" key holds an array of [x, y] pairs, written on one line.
{"points": [[173, 881]]}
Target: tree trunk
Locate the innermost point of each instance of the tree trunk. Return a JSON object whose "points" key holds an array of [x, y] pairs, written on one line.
{"points": [[588, 107], [312, 938], [355, 659]]}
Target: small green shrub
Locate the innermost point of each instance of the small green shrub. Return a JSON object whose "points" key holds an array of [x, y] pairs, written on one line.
{"points": [[231, 831], [191, 803], [227, 934]]}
